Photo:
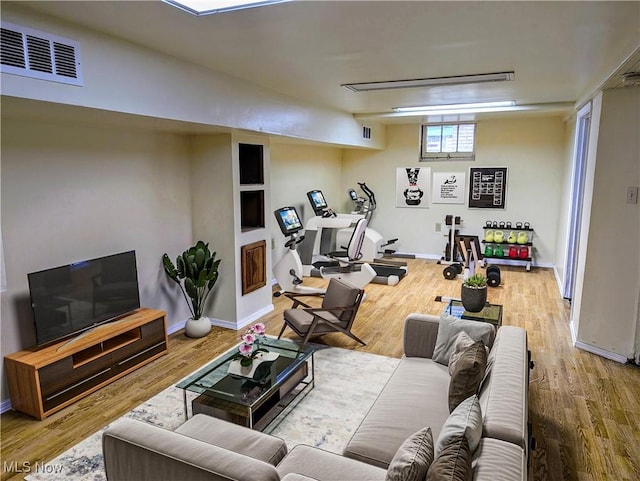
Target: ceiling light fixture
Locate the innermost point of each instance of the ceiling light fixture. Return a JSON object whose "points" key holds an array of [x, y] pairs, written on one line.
{"points": [[473, 107], [209, 7], [430, 82]]}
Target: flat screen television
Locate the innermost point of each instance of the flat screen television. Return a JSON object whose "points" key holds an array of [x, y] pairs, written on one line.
{"points": [[68, 300]]}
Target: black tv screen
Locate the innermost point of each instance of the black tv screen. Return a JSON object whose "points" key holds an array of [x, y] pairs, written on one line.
{"points": [[288, 220], [70, 299]]}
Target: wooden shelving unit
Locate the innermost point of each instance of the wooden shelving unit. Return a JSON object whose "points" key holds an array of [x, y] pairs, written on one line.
{"points": [[44, 380]]}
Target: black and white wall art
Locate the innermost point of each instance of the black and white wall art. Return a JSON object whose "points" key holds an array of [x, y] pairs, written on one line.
{"points": [[412, 187], [448, 187], [488, 187]]}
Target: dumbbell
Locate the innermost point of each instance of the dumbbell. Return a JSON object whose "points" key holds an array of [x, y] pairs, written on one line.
{"points": [[493, 276], [452, 271]]}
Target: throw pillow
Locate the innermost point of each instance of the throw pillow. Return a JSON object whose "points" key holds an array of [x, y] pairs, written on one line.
{"points": [[454, 462], [467, 375], [465, 420], [448, 331], [462, 342], [413, 458]]}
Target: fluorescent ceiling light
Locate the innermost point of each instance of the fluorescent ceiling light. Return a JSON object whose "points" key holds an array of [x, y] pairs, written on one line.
{"points": [[208, 7], [430, 82], [478, 106]]}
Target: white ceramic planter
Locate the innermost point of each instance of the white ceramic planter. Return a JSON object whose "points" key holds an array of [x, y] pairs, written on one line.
{"points": [[238, 369], [197, 327]]}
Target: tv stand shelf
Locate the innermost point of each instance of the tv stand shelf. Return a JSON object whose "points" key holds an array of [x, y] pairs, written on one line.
{"points": [[44, 380]]}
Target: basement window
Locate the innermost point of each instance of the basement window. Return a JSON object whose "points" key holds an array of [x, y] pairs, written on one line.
{"points": [[447, 141]]}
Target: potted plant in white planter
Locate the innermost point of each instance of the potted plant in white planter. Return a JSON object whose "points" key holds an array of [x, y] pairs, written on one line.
{"points": [[196, 272], [474, 293]]}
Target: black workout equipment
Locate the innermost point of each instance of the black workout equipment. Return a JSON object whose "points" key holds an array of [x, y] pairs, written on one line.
{"points": [[452, 271], [493, 276]]}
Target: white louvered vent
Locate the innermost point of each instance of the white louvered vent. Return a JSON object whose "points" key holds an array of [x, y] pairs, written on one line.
{"points": [[41, 55], [366, 132]]}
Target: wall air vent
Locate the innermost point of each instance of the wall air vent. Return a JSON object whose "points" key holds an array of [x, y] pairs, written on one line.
{"points": [[31, 53], [366, 132]]}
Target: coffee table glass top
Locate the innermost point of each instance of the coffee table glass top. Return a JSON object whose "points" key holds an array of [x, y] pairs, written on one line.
{"points": [[492, 313], [214, 380]]}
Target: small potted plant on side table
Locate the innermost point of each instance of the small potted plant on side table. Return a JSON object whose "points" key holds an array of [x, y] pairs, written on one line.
{"points": [[474, 293]]}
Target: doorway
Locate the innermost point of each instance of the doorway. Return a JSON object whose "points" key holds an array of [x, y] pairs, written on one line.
{"points": [[577, 194]]}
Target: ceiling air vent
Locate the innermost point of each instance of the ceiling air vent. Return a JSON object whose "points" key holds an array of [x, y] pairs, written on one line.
{"points": [[40, 55]]}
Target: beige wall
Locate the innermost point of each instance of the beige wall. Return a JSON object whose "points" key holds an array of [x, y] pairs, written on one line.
{"points": [[71, 193], [605, 314], [295, 170], [532, 148]]}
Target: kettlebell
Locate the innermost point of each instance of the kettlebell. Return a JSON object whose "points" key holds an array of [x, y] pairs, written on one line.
{"points": [[498, 236], [493, 276], [488, 236], [498, 251], [522, 238], [512, 238], [524, 252], [513, 252], [488, 251]]}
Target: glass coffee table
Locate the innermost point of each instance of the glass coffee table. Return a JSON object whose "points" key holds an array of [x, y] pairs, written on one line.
{"points": [[492, 313], [247, 401]]}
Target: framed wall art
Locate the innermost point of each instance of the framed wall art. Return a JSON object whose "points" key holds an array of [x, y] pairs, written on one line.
{"points": [[448, 187], [412, 187], [487, 187]]}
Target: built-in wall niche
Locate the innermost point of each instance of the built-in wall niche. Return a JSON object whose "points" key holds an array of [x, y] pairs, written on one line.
{"points": [[251, 209], [251, 164]]}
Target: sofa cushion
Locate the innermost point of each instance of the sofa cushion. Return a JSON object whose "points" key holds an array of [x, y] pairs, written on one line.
{"points": [[413, 458], [414, 397], [465, 420], [316, 463], [503, 393], [453, 463], [448, 331], [136, 450], [497, 460], [235, 438], [467, 374]]}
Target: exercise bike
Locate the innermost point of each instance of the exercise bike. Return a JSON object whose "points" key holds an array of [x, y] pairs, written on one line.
{"points": [[289, 270]]}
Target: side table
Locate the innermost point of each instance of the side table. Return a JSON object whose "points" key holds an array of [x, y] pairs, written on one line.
{"points": [[492, 313]]}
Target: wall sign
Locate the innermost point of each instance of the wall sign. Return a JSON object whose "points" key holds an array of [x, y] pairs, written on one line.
{"points": [[488, 187], [412, 187], [448, 187]]}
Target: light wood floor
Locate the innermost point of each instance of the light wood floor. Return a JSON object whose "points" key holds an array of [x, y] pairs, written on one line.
{"points": [[585, 409]]}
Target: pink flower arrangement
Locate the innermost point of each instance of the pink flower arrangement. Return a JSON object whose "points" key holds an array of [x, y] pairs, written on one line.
{"points": [[250, 339]]}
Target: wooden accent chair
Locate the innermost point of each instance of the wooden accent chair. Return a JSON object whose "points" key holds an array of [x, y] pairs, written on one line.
{"points": [[340, 305]]}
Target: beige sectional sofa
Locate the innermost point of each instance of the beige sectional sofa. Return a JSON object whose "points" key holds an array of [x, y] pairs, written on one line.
{"points": [[415, 397]]}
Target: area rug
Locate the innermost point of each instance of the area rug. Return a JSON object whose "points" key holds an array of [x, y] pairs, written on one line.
{"points": [[346, 385]]}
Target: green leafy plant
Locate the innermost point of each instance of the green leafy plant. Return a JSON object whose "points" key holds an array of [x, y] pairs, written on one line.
{"points": [[476, 280], [196, 272]]}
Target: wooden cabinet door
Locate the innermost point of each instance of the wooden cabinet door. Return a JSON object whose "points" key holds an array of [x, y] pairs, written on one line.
{"points": [[254, 266]]}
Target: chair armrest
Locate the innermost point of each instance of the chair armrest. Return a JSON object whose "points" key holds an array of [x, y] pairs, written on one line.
{"points": [[137, 450], [420, 334], [297, 302]]}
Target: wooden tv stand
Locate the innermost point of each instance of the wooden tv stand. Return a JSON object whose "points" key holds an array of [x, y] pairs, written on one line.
{"points": [[44, 380]]}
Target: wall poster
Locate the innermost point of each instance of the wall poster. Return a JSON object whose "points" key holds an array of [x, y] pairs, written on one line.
{"points": [[448, 187], [412, 187], [488, 187]]}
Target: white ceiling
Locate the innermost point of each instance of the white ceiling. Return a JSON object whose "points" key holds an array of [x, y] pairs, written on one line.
{"points": [[560, 51]]}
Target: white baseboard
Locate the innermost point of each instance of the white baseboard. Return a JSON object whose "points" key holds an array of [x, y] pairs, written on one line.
{"points": [[614, 356], [245, 321], [558, 280]]}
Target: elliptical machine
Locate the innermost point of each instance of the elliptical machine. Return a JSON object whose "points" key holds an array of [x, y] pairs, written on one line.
{"points": [[289, 270]]}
